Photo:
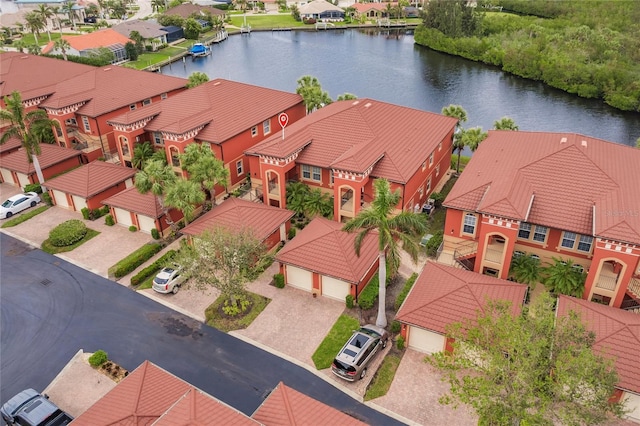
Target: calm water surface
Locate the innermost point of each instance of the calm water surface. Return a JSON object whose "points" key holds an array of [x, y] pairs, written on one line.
{"points": [[390, 67]]}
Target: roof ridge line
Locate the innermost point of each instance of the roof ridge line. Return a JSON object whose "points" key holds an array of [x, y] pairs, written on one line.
{"points": [[287, 405]]}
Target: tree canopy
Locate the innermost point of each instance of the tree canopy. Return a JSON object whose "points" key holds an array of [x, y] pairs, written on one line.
{"points": [[312, 94], [197, 78]]}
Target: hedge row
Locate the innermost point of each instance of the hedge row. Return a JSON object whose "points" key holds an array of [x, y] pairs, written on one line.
{"points": [[368, 296], [405, 290], [153, 268], [135, 259]]}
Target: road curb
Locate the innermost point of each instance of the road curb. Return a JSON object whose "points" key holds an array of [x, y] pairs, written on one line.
{"points": [[18, 237], [172, 306]]}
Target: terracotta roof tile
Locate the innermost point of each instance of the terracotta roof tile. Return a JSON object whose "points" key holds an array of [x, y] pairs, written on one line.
{"points": [[91, 179], [94, 40], [443, 295], [12, 144], [49, 156], [235, 214], [356, 135], [617, 335], [109, 88], [323, 247], [286, 406], [567, 175], [132, 200], [34, 76]]}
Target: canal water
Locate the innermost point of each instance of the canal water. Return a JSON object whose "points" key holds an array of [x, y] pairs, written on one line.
{"points": [[388, 66]]}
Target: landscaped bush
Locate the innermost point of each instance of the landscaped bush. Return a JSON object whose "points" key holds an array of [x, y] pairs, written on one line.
{"points": [[278, 280], [46, 198], [405, 290], [368, 296], [133, 228], [67, 233], [438, 198], [433, 244], [395, 327], [33, 187], [108, 220], [155, 234], [400, 343], [85, 213], [135, 259], [98, 358], [153, 268], [349, 301], [291, 233]]}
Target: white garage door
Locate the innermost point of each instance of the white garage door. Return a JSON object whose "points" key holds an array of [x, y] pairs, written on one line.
{"points": [[299, 278], [79, 202], [123, 217], [146, 223], [425, 341], [334, 288], [61, 198], [23, 179], [633, 404], [7, 176]]}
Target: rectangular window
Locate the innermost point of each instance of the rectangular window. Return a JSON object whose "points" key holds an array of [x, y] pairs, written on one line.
{"points": [[146, 102], [71, 121], [469, 223], [585, 243], [316, 173], [132, 107], [440, 146], [157, 138], [421, 191], [429, 184], [254, 131], [266, 127], [540, 233], [424, 166], [431, 160], [85, 123], [331, 176], [163, 96], [437, 169], [524, 231], [239, 167], [568, 239], [306, 171]]}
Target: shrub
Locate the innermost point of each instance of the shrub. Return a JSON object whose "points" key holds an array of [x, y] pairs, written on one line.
{"points": [[400, 343], [135, 259], [405, 291], [368, 296], [395, 327], [433, 244], [155, 234], [33, 187], [108, 220], [67, 233], [85, 213], [309, 20], [133, 228], [438, 198], [47, 199], [291, 233], [153, 268], [98, 358], [278, 280], [349, 301]]}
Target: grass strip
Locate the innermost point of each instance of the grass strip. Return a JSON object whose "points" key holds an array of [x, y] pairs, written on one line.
{"points": [[331, 345], [381, 382], [24, 217], [51, 249]]}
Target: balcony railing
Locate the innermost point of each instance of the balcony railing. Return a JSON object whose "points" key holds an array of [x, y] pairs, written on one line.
{"points": [[606, 282], [464, 252], [493, 255], [634, 286], [274, 188]]}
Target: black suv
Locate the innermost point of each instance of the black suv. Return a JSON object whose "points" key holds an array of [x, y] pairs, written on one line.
{"points": [[30, 408]]}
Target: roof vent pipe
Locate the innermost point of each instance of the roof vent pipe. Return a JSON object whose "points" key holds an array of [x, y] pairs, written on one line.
{"points": [[584, 144], [563, 140]]}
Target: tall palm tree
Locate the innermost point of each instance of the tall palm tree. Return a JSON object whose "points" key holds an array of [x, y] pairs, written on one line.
{"points": [[28, 127], [472, 137], [185, 195], [34, 23], [62, 45], [204, 168], [312, 94], [405, 227], [505, 123], [141, 154], [45, 12], [561, 277], [56, 10], [67, 9], [156, 177], [526, 269], [456, 111]]}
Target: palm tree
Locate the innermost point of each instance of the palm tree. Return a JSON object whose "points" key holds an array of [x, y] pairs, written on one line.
{"points": [[56, 14], [505, 123], [526, 269], [62, 45], [204, 168], [456, 111], [472, 137], [67, 9], [312, 94], [156, 5], [406, 227], [297, 192], [562, 277], [33, 49], [141, 153], [34, 23], [318, 203], [184, 195], [197, 78], [156, 177], [28, 127], [45, 12]]}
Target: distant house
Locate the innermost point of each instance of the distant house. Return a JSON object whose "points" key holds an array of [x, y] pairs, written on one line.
{"points": [[188, 10], [151, 32], [321, 10], [371, 10], [174, 33], [443, 295], [87, 186], [87, 44], [16, 170], [321, 260]]}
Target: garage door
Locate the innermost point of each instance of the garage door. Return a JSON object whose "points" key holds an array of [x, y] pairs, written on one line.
{"points": [[123, 217], [633, 404], [335, 289], [299, 278], [7, 176], [146, 223], [79, 202], [61, 198], [23, 179], [425, 341]]}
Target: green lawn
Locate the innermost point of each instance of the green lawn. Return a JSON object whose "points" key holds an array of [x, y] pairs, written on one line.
{"points": [[337, 337], [46, 247], [266, 21], [43, 38], [24, 217], [224, 323], [151, 58], [381, 382]]}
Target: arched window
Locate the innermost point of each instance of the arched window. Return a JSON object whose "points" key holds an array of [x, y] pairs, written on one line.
{"points": [[124, 143], [175, 156]]}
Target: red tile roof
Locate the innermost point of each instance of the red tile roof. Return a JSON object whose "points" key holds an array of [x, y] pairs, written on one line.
{"points": [[94, 40], [235, 214], [91, 179], [444, 295], [323, 247], [568, 176], [34, 76], [356, 135], [109, 88], [12, 144], [150, 394], [365, 7], [132, 200], [617, 335], [208, 105], [286, 406], [49, 156]]}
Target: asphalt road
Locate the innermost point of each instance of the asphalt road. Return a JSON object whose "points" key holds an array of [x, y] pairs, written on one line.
{"points": [[50, 309]]}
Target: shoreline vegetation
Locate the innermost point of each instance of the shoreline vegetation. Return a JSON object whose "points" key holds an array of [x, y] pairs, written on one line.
{"points": [[585, 48]]}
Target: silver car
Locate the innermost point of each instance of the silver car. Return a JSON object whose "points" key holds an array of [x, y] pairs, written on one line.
{"points": [[168, 280], [352, 360]]}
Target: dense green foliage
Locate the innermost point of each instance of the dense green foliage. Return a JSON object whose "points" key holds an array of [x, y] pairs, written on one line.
{"points": [[98, 358], [135, 259], [153, 268], [33, 187], [368, 296], [585, 48], [278, 280], [405, 290], [433, 244], [87, 60], [67, 233], [349, 301]]}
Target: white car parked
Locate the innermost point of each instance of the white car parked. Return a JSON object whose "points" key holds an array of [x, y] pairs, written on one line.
{"points": [[17, 203], [168, 280]]}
